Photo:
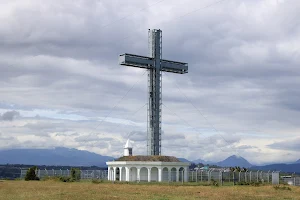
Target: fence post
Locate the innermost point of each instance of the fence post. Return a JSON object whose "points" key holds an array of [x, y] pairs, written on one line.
{"points": [[257, 176], [208, 176], [233, 177], [261, 176], [196, 175], [239, 176], [201, 175], [192, 176], [250, 174], [221, 177]]}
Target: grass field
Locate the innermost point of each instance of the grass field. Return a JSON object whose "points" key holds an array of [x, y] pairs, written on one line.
{"points": [[45, 190]]}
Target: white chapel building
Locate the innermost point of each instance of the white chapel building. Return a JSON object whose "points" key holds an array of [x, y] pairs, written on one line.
{"points": [[147, 168]]}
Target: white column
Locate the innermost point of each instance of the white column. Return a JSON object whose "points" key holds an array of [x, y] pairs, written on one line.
{"points": [[138, 176], [177, 174], [115, 174], [127, 172], [120, 173], [108, 174], [159, 174], [186, 174], [149, 174], [169, 174]]}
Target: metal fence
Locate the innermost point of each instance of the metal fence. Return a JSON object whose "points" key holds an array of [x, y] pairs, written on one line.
{"points": [[230, 177], [207, 176], [292, 180], [84, 174]]}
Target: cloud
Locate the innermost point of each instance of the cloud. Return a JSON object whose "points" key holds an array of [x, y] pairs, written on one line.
{"points": [[9, 115], [137, 136], [59, 60], [289, 144]]}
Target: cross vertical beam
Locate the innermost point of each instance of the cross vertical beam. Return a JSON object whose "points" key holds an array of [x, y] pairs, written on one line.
{"points": [[155, 65], [154, 94]]}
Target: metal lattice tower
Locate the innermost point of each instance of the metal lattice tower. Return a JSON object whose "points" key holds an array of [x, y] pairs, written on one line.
{"points": [[155, 65]]}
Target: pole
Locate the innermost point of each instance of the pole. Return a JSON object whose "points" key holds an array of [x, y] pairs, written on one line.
{"points": [[192, 176], [221, 177], [233, 177], [201, 175]]}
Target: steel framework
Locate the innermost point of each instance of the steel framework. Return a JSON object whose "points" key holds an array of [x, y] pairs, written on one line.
{"points": [[155, 66]]}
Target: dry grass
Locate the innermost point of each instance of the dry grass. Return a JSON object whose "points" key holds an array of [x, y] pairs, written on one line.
{"points": [[45, 190]]}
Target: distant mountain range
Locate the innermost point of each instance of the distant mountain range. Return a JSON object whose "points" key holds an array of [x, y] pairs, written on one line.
{"points": [[201, 161], [183, 160], [61, 156], [231, 161], [57, 156], [279, 167], [234, 160]]}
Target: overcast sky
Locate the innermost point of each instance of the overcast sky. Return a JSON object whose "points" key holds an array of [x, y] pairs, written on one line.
{"points": [[61, 84]]}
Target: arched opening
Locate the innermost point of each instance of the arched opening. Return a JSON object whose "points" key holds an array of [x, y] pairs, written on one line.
{"points": [[165, 174], [154, 174], [181, 174], [173, 174], [144, 174], [117, 174], [123, 178], [133, 174]]}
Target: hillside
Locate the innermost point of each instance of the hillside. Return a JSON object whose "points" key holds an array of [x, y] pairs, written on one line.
{"points": [[56, 156], [183, 160], [233, 161], [279, 167]]}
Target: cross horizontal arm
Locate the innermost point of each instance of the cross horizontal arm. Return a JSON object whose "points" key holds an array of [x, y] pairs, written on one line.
{"points": [[136, 61], [148, 63], [173, 66]]}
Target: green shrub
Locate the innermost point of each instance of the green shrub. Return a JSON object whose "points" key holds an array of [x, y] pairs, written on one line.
{"points": [[75, 174], [278, 187], [256, 184], [214, 183], [31, 175], [58, 178], [65, 179], [97, 181]]}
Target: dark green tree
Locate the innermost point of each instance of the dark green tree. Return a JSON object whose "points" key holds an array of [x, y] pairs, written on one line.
{"points": [[75, 174], [31, 175], [244, 169]]}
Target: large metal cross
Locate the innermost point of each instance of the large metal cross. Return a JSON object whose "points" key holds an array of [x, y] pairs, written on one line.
{"points": [[155, 65]]}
